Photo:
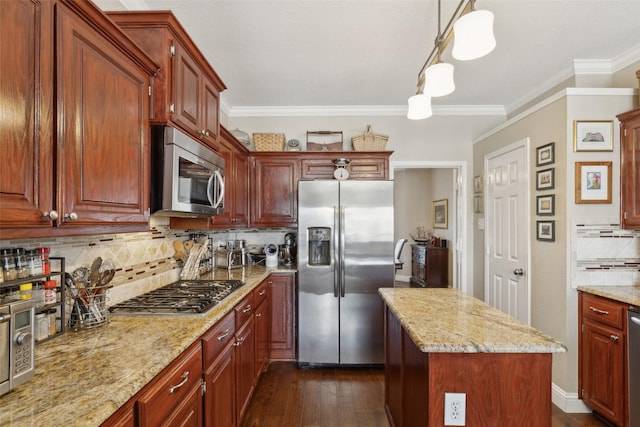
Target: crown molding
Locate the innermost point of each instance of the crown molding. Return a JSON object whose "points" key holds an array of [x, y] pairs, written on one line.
{"points": [[362, 110], [592, 66]]}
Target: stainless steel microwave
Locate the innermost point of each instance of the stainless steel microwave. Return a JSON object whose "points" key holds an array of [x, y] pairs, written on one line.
{"points": [[187, 178]]}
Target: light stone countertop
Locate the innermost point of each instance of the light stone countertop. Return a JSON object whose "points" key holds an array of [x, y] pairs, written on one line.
{"points": [[81, 378], [624, 294], [442, 320]]}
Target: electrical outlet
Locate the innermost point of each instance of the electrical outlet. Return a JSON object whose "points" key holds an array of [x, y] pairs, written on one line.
{"points": [[455, 406]]}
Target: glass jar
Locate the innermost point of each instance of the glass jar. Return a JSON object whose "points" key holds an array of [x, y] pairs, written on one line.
{"points": [[44, 257], [41, 327], [26, 290], [34, 262], [53, 314], [8, 264], [21, 263], [50, 296], [37, 294]]}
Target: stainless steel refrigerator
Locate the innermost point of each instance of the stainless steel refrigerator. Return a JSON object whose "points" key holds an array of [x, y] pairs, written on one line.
{"points": [[345, 253]]}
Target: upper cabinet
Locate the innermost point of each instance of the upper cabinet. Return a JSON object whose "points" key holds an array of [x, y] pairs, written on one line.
{"points": [[369, 165], [86, 166], [274, 190], [188, 89], [630, 169]]}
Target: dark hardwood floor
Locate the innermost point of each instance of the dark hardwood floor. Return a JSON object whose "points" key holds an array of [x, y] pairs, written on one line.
{"points": [[288, 396]]}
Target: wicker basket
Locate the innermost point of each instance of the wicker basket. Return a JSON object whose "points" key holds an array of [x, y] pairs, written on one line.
{"points": [[369, 141], [269, 141]]}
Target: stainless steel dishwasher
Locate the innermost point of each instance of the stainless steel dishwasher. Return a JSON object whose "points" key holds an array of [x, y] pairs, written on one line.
{"points": [[633, 316]]}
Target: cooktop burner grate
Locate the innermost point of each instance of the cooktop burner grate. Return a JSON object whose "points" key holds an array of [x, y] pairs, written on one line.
{"points": [[183, 297]]}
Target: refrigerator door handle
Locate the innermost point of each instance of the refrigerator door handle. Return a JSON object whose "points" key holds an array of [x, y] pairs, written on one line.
{"points": [[342, 254], [336, 259]]}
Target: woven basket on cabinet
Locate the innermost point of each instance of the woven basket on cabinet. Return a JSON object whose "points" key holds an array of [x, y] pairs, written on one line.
{"points": [[369, 141], [269, 141]]}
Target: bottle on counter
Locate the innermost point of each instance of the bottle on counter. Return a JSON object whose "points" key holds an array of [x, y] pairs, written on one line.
{"points": [[50, 296]]}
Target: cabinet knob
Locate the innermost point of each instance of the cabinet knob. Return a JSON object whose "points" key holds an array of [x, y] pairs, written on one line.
{"points": [[52, 215], [71, 216], [614, 338]]}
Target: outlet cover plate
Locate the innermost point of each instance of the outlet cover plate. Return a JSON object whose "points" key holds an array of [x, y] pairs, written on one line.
{"points": [[455, 408]]}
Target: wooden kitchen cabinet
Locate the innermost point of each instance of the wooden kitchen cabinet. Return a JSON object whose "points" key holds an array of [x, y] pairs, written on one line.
{"points": [[369, 165], [174, 397], [245, 374], [98, 136], [188, 89], [262, 324], [219, 375], [602, 363], [282, 293], [274, 190], [630, 169]]}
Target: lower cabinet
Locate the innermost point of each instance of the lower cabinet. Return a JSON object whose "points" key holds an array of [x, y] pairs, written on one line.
{"points": [[602, 364], [175, 395], [282, 293]]}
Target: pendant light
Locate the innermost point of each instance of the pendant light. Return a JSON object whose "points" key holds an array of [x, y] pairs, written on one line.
{"points": [[419, 107], [473, 35], [439, 76]]}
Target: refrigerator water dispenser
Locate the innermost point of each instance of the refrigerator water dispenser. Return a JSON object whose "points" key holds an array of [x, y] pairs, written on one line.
{"points": [[319, 245]]}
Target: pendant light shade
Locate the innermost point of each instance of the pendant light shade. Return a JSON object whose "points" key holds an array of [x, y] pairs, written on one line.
{"points": [[439, 79], [473, 35], [419, 107]]}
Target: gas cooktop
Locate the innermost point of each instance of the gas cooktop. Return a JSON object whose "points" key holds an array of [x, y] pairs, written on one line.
{"points": [[179, 298]]}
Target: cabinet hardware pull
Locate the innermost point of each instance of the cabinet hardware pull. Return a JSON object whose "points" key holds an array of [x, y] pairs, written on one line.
{"points": [[223, 335], [248, 309], [53, 215], [185, 378], [614, 338], [71, 216], [595, 310], [262, 292], [258, 315], [239, 342]]}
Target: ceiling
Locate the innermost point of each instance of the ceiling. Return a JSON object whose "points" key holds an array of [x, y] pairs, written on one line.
{"points": [[367, 53]]}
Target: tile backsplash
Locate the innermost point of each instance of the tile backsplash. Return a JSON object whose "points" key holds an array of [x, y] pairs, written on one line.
{"points": [[143, 260], [604, 254]]}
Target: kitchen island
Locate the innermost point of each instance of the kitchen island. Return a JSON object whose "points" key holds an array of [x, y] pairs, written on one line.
{"points": [[441, 340], [83, 377]]}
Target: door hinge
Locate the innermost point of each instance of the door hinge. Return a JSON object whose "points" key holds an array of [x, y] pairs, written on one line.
{"points": [[172, 50], [172, 108], [204, 386]]}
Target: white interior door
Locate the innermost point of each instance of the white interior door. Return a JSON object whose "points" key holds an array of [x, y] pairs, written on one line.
{"points": [[507, 285]]}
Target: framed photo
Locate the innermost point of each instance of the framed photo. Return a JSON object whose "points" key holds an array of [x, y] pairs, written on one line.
{"points": [[477, 204], [545, 155], [477, 184], [546, 231], [545, 179], [593, 182], [546, 205], [440, 213], [593, 135]]}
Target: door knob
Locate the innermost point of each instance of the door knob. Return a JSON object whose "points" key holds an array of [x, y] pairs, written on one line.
{"points": [[518, 272]]}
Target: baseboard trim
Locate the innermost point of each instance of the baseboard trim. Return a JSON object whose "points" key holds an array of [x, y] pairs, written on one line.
{"points": [[568, 402]]}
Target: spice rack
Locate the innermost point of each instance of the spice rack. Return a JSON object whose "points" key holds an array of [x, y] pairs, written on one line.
{"points": [[57, 270]]}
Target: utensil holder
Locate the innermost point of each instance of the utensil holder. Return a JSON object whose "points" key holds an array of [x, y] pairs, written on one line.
{"points": [[88, 307]]}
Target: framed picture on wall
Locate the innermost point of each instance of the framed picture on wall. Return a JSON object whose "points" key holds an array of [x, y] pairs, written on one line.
{"points": [[477, 204], [545, 179], [546, 231], [477, 184], [440, 213], [593, 182], [545, 155], [593, 135], [546, 205]]}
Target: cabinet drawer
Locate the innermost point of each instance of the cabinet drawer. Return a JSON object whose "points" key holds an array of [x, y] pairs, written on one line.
{"points": [[260, 293], [244, 310], [603, 310], [216, 338], [171, 388]]}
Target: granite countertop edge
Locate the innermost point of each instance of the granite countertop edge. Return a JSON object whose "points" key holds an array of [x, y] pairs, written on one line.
{"points": [[82, 378], [448, 321], [624, 294]]}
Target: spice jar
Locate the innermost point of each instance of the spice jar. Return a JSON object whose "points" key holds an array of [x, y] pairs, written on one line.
{"points": [[8, 264], [41, 328], [26, 291], [34, 262], [21, 263], [38, 294], [52, 313], [50, 296], [44, 257]]}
